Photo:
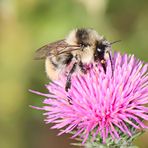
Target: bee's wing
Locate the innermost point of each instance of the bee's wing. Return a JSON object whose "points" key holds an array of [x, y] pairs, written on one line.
{"points": [[50, 49]]}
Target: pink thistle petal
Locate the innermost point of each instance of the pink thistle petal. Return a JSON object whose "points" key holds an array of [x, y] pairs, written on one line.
{"points": [[121, 128], [126, 128], [78, 133], [116, 135], [35, 107], [39, 93]]}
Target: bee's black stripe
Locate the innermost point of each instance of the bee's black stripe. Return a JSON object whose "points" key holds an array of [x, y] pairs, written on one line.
{"points": [[68, 59], [63, 59]]}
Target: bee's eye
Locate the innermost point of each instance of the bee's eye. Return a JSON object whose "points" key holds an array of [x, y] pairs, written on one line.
{"points": [[99, 50]]}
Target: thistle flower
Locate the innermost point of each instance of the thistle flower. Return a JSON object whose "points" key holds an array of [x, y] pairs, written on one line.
{"points": [[101, 105]]}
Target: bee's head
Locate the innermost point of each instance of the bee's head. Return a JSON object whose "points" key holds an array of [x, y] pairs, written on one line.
{"points": [[85, 38]]}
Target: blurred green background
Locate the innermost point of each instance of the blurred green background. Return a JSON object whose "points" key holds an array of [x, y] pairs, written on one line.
{"points": [[27, 25]]}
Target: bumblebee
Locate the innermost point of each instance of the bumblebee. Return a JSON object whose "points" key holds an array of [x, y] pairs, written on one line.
{"points": [[82, 46]]}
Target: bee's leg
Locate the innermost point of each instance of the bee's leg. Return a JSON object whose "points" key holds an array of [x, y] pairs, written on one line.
{"points": [[68, 81], [82, 67]]}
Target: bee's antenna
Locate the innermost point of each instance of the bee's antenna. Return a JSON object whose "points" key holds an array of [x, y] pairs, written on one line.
{"points": [[115, 42], [110, 58]]}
